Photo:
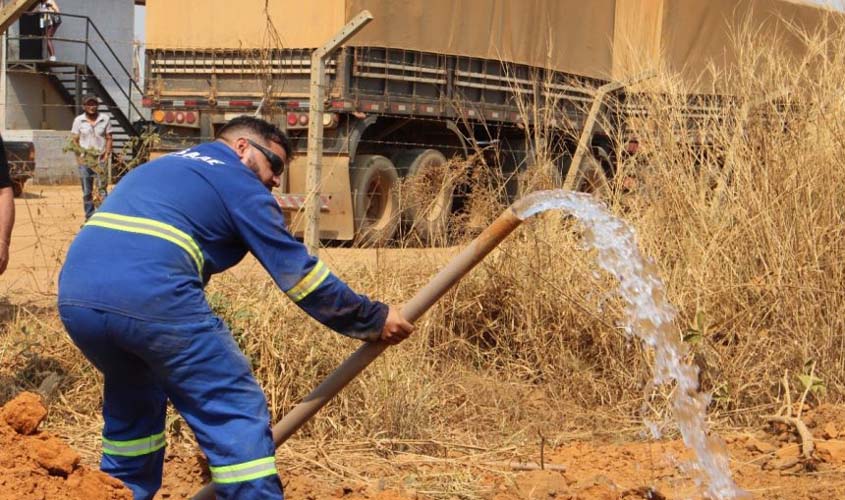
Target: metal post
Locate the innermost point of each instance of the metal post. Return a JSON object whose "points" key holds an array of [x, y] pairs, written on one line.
{"points": [[129, 104], [315, 127], [77, 98], [590, 124], [587, 133], [87, 28]]}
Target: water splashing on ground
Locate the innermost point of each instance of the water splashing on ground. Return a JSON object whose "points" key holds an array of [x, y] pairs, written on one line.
{"points": [[650, 317]]}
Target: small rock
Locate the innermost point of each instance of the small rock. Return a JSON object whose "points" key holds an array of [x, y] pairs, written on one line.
{"points": [[760, 446], [831, 451], [97, 485], [49, 386], [809, 418], [737, 439], [789, 451], [830, 431], [781, 463], [54, 455], [24, 413]]}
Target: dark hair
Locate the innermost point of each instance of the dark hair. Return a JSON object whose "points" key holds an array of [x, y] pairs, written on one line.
{"points": [[259, 128]]}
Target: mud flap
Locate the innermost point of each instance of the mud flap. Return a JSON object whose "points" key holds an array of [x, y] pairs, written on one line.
{"points": [[336, 223]]}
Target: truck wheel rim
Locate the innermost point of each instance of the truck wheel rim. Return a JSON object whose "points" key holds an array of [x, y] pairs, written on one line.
{"points": [[376, 200]]}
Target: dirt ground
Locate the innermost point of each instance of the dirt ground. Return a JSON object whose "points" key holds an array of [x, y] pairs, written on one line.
{"points": [[37, 465], [767, 463], [34, 463]]}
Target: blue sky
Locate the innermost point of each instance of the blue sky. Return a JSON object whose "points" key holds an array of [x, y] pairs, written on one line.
{"points": [[839, 4], [139, 22]]}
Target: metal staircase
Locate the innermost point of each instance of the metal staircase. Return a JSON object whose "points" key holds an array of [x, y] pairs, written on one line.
{"points": [[73, 81], [88, 74]]}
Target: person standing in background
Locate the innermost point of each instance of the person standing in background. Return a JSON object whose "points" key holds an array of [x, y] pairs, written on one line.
{"points": [[49, 22], [92, 131]]}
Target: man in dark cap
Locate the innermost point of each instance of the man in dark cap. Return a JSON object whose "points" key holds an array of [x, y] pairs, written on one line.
{"points": [[92, 133]]}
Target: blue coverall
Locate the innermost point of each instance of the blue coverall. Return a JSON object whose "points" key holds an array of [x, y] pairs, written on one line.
{"points": [[131, 297]]}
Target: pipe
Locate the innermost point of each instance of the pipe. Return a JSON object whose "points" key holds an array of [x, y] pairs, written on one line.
{"points": [[456, 269]]}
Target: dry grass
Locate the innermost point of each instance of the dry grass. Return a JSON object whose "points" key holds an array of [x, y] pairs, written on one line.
{"points": [[746, 230]]}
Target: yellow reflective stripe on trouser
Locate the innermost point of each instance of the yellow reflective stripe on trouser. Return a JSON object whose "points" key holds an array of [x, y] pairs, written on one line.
{"points": [[135, 447], [246, 471], [309, 283], [149, 227]]}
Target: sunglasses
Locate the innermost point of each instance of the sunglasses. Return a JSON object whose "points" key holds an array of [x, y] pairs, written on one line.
{"points": [[276, 163]]}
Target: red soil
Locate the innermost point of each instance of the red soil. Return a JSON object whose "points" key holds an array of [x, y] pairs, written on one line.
{"points": [[36, 465], [766, 462]]}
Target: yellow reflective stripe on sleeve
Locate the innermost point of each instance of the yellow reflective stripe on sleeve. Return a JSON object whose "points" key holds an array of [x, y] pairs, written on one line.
{"points": [[149, 227], [135, 447], [246, 471], [309, 283]]}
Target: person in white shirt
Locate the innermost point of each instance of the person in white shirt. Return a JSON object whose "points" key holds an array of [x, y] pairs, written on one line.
{"points": [[92, 131]]}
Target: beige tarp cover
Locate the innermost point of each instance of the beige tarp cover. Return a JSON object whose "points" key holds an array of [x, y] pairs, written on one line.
{"points": [[596, 38], [573, 36], [569, 35], [688, 36], [235, 24]]}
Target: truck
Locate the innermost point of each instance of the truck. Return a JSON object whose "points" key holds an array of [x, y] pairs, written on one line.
{"points": [[429, 81]]}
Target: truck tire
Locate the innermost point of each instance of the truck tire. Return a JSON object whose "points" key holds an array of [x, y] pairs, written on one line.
{"points": [[375, 199], [562, 165], [594, 178], [593, 175], [428, 205]]}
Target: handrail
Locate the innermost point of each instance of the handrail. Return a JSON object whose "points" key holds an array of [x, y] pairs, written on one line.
{"points": [[94, 52], [88, 46], [105, 42]]}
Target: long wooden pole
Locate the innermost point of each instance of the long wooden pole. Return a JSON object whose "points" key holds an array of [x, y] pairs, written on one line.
{"points": [[456, 269]]}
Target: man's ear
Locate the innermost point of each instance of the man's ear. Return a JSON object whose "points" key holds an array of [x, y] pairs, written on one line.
{"points": [[240, 148]]}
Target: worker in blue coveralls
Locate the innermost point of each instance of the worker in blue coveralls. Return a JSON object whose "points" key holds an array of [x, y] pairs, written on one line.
{"points": [[131, 297]]}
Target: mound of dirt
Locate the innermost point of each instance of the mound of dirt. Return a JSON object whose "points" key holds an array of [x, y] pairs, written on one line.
{"points": [[37, 465]]}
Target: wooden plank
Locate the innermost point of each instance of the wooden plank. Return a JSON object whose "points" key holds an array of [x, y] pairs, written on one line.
{"points": [[11, 11]]}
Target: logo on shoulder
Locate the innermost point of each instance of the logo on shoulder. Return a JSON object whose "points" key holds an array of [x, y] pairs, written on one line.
{"points": [[193, 155]]}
